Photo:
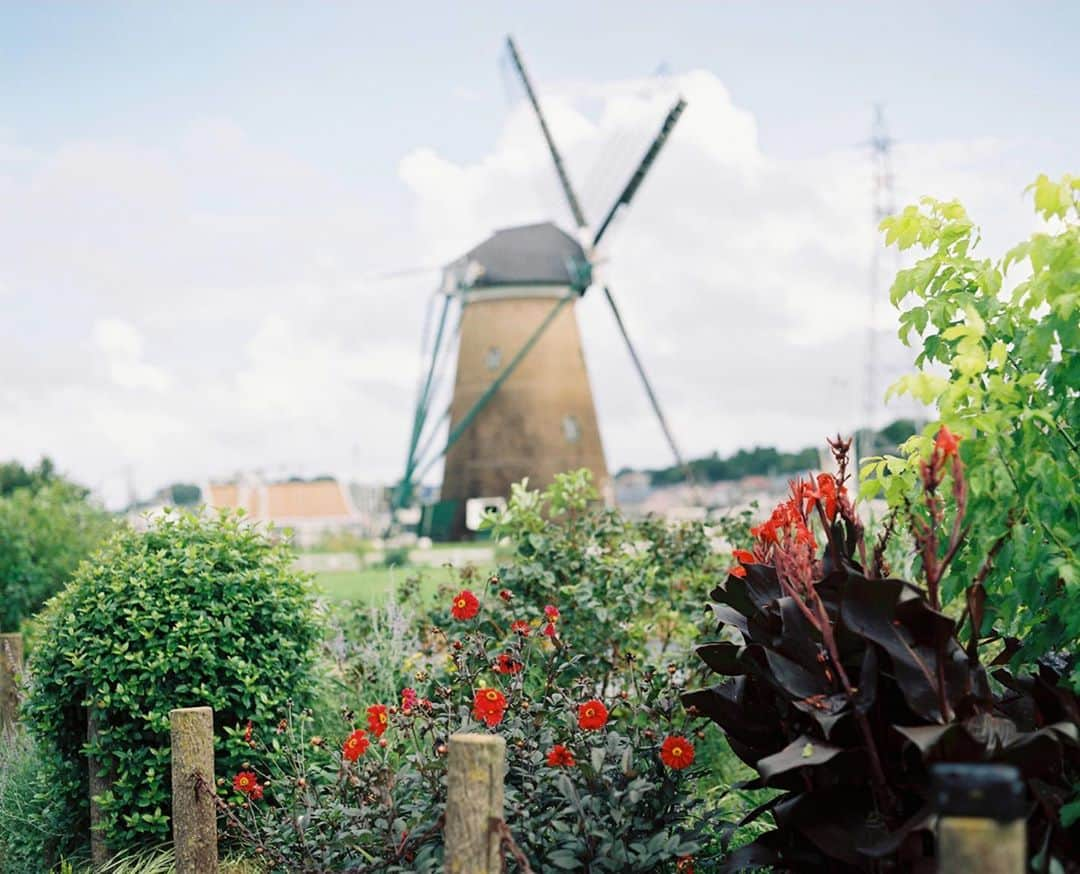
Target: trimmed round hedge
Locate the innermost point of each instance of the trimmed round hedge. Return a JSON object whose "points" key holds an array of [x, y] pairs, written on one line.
{"points": [[195, 611]]}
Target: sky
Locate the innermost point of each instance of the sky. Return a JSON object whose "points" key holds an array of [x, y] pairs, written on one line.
{"points": [[200, 204]]}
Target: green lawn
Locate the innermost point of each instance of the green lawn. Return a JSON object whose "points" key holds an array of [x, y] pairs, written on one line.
{"points": [[374, 584]]}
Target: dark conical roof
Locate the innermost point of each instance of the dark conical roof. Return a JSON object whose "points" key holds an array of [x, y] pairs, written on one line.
{"points": [[540, 254]]}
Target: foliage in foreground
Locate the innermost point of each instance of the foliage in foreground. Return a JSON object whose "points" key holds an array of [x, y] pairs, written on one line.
{"points": [[842, 686], [594, 782], [193, 612], [1002, 367], [47, 526]]}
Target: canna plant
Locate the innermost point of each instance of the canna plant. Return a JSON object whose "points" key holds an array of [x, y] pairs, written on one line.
{"points": [[840, 686]]}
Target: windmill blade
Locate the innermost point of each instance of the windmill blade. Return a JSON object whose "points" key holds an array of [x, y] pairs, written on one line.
{"points": [[639, 174], [686, 469], [564, 179]]}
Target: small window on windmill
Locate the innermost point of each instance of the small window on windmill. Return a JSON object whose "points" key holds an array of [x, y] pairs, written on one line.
{"points": [[493, 358], [571, 429]]}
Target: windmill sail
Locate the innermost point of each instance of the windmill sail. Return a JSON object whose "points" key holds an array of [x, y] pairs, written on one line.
{"points": [[560, 169]]}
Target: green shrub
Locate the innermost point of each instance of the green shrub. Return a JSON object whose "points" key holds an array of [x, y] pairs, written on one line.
{"points": [[45, 531], [615, 801], [194, 611]]}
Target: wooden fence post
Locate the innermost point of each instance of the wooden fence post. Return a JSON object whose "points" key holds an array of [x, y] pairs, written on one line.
{"points": [[474, 782], [99, 785], [194, 814], [981, 823], [11, 657]]}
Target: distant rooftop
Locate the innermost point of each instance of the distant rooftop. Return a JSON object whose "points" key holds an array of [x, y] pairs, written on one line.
{"points": [[540, 254]]}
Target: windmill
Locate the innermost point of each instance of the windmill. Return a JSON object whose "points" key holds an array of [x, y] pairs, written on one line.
{"points": [[522, 405]]}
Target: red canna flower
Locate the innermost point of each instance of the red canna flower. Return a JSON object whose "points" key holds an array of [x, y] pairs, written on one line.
{"points": [[466, 606], [507, 664], [560, 757], [592, 715], [947, 443], [737, 571], [355, 745], [489, 705], [245, 781], [744, 556], [677, 752], [520, 626], [377, 719]]}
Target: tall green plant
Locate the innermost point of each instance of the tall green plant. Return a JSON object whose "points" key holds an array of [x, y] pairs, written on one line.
{"points": [[999, 357], [195, 611]]}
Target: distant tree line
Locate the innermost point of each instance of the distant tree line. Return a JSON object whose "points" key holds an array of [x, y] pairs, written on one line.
{"points": [[769, 461]]}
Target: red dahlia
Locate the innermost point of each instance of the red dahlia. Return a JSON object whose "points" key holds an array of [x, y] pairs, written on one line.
{"points": [[507, 664], [245, 782], [677, 752], [489, 705], [592, 715], [355, 745], [377, 719], [466, 606], [560, 757]]}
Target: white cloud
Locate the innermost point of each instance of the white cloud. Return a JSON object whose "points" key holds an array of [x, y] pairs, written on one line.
{"points": [[206, 305], [123, 348]]}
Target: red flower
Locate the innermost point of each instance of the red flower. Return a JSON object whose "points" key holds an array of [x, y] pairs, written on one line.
{"points": [[507, 664], [744, 556], [552, 613], [465, 605], [247, 732], [408, 699], [256, 794], [560, 757], [489, 705], [355, 745], [506, 595], [549, 630], [947, 443], [245, 782], [677, 752], [684, 865], [377, 719], [520, 626], [737, 571], [592, 715]]}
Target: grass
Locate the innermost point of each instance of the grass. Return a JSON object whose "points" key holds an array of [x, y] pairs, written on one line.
{"points": [[372, 585]]}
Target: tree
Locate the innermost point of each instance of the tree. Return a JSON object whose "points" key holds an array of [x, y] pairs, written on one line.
{"points": [[1002, 368]]}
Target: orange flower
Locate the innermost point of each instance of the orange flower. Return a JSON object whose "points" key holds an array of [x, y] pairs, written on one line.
{"points": [[677, 752], [947, 443], [737, 571], [489, 705], [355, 745], [560, 757], [377, 719], [592, 715], [466, 606]]}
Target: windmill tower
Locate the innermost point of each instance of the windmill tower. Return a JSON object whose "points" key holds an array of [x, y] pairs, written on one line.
{"points": [[522, 405]]}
